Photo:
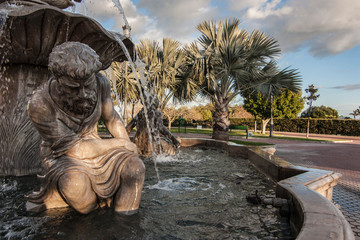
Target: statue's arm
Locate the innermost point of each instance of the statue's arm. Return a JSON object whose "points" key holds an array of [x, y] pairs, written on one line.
{"points": [[90, 148], [111, 118]]}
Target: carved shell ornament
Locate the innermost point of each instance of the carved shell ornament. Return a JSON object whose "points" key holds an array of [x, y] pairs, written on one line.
{"points": [[62, 4]]}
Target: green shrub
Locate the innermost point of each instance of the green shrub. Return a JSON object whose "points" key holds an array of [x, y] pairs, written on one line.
{"points": [[347, 127]]}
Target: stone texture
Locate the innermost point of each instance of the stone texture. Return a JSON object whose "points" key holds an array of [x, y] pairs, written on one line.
{"points": [[81, 169], [28, 36]]}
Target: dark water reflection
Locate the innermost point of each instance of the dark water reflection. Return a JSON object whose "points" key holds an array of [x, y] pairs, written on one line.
{"points": [[201, 196]]}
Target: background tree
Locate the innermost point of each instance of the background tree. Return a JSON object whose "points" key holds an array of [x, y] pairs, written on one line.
{"points": [[206, 112], [171, 113], [238, 111], [321, 112], [309, 100], [222, 60], [356, 112], [287, 105], [163, 66], [124, 86], [272, 83], [190, 114]]}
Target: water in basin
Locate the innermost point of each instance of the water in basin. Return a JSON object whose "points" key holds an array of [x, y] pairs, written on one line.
{"points": [[201, 195]]}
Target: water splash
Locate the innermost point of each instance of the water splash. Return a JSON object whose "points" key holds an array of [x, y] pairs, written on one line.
{"points": [[67, 28], [73, 8], [182, 184], [6, 186], [181, 157], [3, 17], [122, 12], [142, 82], [84, 8]]}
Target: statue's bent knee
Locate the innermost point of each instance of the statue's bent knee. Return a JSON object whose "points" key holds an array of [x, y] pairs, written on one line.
{"points": [[76, 188], [134, 170]]}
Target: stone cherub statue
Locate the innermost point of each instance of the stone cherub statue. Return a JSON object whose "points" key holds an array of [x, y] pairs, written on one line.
{"points": [[81, 169]]}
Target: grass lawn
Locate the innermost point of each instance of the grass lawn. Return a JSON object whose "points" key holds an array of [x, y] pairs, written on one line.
{"points": [[246, 143], [234, 132], [242, 133]]}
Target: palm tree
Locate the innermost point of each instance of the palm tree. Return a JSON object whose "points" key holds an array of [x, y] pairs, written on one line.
{"points": [[124, 85], [356, 112], [162, 70], [272, 83], [225, 61], [162, 66], [312, 97]]}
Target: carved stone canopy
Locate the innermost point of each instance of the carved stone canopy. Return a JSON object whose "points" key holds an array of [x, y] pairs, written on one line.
{"points": [[56, 3], [31, 32]]}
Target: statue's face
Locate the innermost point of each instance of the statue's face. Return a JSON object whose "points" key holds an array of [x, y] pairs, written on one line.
{"points": [[78, 87], [78, 95]]}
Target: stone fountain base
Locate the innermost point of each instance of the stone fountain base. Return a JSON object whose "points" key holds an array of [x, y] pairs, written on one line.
{"points": [[20, 142]]}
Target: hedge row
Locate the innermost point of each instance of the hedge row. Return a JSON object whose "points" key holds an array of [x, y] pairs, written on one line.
{"points": [[322, 126]]}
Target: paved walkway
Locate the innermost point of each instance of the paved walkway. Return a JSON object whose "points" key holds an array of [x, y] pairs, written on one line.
{"points": [[342, 155]]}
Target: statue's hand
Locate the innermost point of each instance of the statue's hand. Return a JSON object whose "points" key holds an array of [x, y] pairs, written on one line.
{"points": [[131, 146]]}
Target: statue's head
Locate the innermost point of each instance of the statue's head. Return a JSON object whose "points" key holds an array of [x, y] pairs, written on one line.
{"points": [[74, 59], [74, 66]]}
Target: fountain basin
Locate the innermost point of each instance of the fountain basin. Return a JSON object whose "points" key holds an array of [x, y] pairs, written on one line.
{"points": [[201, 195], [313, 215], [309, 192]]}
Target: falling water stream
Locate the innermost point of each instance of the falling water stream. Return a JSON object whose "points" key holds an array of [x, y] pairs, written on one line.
{"points": [[141, 81], [3, 17], [140, 84]]}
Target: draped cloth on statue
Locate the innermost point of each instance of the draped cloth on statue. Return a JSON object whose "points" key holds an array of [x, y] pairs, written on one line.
{"points": [[60, 133]]}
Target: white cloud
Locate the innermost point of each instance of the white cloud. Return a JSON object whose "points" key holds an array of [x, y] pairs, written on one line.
{"points": [[236, 5], [178, 19], [105, 11], [349, 87], [155, 19], [268, 9], [326, 27]]}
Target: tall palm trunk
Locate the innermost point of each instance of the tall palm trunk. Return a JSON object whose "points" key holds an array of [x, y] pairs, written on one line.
{"points": [[255, 125], [221, 122], [308, 122], [271, 117], [133, 109]]}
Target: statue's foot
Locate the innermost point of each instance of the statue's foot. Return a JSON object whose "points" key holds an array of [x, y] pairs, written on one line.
{"points": [[127, 212]]}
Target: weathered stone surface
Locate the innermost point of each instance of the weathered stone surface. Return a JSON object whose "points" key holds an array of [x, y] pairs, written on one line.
{"points": [[28, 35], [19, 146], [81, 169], [31, 32]]}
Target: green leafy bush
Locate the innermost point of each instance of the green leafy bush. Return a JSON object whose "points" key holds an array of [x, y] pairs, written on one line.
{"points": [[347, 127]]}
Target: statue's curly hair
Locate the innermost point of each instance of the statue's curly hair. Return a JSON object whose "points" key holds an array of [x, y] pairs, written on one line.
{"points": [[74, 59]]}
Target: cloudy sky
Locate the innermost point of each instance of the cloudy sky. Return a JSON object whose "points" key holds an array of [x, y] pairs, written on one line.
{"points": [[320, 38]]}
